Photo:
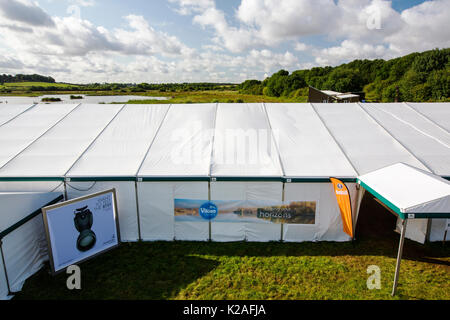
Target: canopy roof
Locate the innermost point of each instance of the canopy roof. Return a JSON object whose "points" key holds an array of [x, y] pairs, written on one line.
{"points": [[305, 142], [409, 192]]}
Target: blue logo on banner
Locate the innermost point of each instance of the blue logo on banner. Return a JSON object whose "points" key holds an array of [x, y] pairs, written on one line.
{"points": [[208, 211]]}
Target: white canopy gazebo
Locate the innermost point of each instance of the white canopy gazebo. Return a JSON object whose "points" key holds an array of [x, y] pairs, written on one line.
{"points": [[409, 193]]}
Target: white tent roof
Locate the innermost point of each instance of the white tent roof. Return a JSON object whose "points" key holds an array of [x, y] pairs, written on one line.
{"points": [[183, 144], [428, 142], [409, 190], [18, 134], [306, 147], [120, 149], [249, 125], [281, 141], [9, 112], [368, 145], [56, 151], [437, 112]]}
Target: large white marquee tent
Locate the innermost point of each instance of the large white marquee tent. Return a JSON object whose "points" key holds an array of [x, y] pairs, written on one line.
{"points": [[153, 154]]}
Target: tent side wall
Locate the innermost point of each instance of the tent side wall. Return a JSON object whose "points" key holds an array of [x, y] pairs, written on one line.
{"points": [[53, 185], [437, 230], [239, 231], [24, 249], [156, 210], [157, 219], [328, 223]]}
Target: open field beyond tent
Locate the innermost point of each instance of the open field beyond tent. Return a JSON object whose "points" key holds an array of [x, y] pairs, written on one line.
{"points": [[17, 85], [23, 89], [216, 97], [326, 270]]}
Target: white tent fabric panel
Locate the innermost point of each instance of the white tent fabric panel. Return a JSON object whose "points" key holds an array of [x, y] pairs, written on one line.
{"points": [[16, 135], [25, 249], [18, 205], [120, 149], [416, 230], [437, 230], [10, 111], [437, 112], [31, 186], [428, 142], [328, 224], [306, 147], [157, 210], [183, 144], [243, 143], [238, 231], [367, 145], [409, 189], [25, 252], [55, 152], [126, 202]]}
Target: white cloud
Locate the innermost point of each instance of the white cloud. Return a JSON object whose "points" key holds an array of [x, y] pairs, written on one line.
{"points": [[76, 37], [288, 18], [426, 26], [349, 50], [299, 46], [23, 11], [247, 44], [366, 28]]}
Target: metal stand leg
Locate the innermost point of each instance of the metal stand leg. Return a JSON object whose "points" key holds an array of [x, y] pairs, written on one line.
{"points": [[4, 267], [399, 256]]}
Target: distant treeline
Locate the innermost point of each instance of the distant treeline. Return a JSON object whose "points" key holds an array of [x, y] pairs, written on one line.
{"points": [[172, 87], [116, 87], [415, 77], [7, 78]]}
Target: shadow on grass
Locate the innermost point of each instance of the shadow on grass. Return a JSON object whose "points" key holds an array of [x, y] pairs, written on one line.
{"points": [[133, 271]]}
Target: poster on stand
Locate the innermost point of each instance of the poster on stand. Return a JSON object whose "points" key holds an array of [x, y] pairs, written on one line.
{"points": [[80, 229]]}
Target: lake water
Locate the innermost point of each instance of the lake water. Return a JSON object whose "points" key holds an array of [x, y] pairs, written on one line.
{"points": [[86, 99]]}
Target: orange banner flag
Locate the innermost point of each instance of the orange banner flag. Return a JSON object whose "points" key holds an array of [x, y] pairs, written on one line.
{"points": [[343, 199]]}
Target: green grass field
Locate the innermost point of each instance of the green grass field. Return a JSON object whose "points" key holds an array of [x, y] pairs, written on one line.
{"points": [[284, 271], [35, 84], [213, 97]]}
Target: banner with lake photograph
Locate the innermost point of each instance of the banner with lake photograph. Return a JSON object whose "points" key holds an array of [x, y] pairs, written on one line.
{"points": [[252, 211]]}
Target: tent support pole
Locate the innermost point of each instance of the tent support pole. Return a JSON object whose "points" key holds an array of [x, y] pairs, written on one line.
{"points": [[359, 197], [4, 267], [137, 211], [399, 256], [65, 191], [283, 198], [209, 199]]}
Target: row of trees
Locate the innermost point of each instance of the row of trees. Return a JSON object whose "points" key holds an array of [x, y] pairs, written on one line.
{"points": [[186, 87], [415, 77], [7, 78]]}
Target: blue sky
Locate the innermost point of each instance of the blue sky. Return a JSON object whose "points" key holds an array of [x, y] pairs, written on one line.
{"points": [[205, 40]]}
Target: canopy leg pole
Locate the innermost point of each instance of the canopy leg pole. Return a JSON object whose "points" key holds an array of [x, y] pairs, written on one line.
{"points": [[399, 256], [4, 268], [359, 195]]}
